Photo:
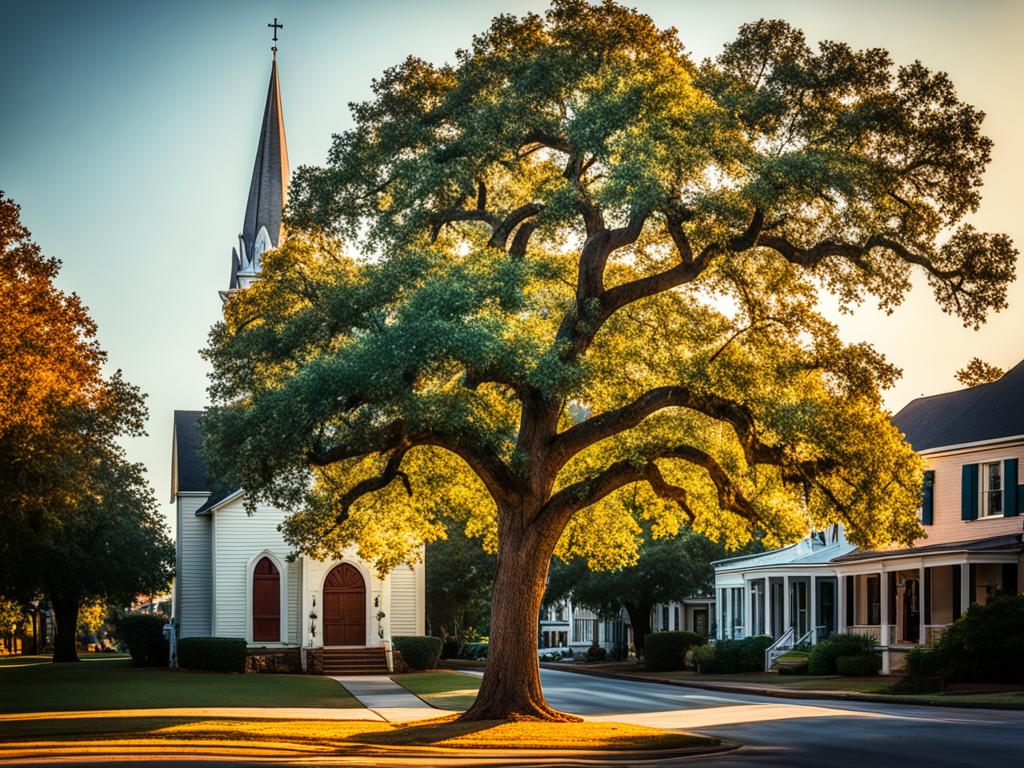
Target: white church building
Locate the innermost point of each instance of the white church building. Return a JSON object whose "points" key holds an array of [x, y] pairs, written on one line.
{"points": [[233, 576]]}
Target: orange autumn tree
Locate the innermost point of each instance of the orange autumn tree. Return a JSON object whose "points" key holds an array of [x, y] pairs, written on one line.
{"points": [[580, 277]]}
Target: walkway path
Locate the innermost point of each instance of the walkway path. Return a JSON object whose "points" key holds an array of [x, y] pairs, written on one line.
{"points": [[385, 697]]}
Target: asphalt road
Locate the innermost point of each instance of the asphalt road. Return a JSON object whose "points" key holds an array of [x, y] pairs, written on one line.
{"points": [[797, 733]]}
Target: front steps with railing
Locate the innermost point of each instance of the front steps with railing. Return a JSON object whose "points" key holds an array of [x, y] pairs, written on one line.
{"points": [[355, 661]]}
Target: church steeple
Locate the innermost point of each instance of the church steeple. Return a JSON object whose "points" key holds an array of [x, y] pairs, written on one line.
{"points": [[268, 191]]}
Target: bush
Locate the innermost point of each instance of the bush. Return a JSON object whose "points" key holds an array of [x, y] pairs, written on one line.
{"points": [[212, 654], [795, 669], [666, 651], [861, 665], [142, 635], [734, 656], [596, 653], [703, 658], [823, 657], [450, 648], [986, 644], [418, 652], [925, 663], [473, 651]]}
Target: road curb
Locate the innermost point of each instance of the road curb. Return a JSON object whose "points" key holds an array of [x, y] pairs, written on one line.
{"points": [[780, 693]]}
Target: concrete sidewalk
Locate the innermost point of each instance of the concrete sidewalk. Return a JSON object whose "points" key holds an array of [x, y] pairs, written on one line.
{"points": [[385, 697]]}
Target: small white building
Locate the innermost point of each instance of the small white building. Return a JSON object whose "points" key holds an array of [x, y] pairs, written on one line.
{"points": [[233, 573]]}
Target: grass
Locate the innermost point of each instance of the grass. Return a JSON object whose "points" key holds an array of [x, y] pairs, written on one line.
{"points": [[444, 690], [278, 738], [34, 684]]}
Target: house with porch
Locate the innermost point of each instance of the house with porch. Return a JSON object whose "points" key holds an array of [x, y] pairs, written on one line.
{"points": [[972, 513]]}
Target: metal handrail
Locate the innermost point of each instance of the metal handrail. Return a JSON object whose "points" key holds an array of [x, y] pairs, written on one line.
{"points": [[778, 648]]}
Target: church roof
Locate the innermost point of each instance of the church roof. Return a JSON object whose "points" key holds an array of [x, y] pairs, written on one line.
{"points": [[188, 465], [268, 190], [985, 412]]}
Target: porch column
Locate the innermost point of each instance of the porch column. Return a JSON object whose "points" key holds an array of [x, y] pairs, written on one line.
{"points": [[883, 630], [813, 599], [786, 618], [966, 598], [768, 628], [841, 598], [719, 613], [748, 608], [922, 612]]}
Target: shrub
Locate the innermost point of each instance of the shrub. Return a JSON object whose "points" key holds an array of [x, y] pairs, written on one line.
{"points": [[666, 651], [473, 651], [861, 665], [925, 663], [212, 654], [450, 648], [986, 644], [703, 658], [596, 653], [823, 657], [794, 669], [419, 652], [142, 635], [733, 656]]}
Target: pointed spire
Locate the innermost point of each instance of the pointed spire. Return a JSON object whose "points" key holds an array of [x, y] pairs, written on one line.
{"points": [[268, 190]]}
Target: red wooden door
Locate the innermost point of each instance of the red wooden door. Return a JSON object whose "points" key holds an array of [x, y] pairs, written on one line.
{"points": [[266, 602], [344, 607]]}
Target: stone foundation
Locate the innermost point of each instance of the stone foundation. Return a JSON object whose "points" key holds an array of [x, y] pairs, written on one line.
{"points": [[313, 661], [273, 660]]}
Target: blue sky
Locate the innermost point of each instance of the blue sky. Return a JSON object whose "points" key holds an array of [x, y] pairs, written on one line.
{"points": [[128, 132]]}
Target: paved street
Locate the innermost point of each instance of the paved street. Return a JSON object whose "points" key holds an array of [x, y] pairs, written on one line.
{"points": [[796, 733]]}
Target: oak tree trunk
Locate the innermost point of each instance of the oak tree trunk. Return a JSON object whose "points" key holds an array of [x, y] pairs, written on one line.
{"points": [[65, 614], [511, 688], [640, 619]]}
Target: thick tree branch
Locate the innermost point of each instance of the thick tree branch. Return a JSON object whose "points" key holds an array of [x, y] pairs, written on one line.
{"points": [[580, 436], [504, 227]]}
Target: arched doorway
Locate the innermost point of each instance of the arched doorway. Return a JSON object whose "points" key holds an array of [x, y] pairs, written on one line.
{"points": [[266, 602], [344, 607]]}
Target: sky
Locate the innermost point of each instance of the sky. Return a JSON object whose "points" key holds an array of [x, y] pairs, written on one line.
{"points": [[128, 131]]}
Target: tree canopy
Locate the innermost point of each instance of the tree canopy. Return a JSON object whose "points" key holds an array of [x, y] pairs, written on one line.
{"points": [[78, 521], [977, 371], [576, 266]]}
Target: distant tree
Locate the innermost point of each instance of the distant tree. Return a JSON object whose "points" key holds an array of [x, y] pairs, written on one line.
{"points": [[78, 522], [977, 371], [575, 215], [668, 569], [459, 577]]}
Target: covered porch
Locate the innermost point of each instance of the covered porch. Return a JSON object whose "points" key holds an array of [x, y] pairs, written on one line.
{"points": [[802, 604]]}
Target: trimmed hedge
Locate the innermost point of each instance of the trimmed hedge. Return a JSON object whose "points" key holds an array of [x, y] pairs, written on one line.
{"points": [[142, 635], [861, 665], [473, 651], [666, 651], [823, 657], [450, 648], [212, 654], [419, 652], [596, 653], [728, 657]]}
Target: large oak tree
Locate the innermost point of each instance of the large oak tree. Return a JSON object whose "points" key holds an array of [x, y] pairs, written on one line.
{"points": [[585, 266]]}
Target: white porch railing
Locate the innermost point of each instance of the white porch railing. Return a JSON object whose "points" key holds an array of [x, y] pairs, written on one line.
{"points": [[780, 647], [884, 635]]}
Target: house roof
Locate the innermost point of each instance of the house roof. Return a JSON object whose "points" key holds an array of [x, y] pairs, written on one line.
{"points": [[991, 544], [985, 412], [805, 552], [189, 472]]}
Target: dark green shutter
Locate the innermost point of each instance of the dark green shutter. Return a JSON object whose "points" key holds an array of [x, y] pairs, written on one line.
{"points": [[1010, 501], [969, 492], [928, 497]]}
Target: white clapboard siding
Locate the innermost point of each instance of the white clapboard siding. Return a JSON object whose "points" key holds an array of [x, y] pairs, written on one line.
{"points": [[194, 584], [294, 601], [239, 538], [403, 602]]}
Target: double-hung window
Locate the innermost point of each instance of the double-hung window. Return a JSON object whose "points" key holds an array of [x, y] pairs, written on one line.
{"points": [[991, 490]]}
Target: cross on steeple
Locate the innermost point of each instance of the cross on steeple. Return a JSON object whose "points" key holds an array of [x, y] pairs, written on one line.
{"points": [[275, 26]]}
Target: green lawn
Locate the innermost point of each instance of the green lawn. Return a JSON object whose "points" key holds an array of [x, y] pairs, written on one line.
{"points": [[444, 690], [34, 684]]}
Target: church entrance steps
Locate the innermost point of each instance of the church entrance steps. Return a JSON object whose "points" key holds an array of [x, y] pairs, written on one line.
{"points": [[354, 661]]}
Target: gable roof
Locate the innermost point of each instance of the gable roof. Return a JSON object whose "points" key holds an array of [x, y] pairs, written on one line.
{"points": [[985, 412], [189, 472]]}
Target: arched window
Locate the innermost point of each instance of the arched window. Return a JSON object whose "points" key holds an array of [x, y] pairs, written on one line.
{"points": [[266, 602]]}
